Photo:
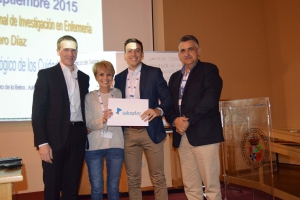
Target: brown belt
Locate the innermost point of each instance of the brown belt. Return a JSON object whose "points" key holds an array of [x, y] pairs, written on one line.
{"points": [[137, 127]]}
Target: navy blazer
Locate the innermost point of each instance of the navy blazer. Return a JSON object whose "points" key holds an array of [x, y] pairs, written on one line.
{"points": [[200, 103], [51, 107], [152, 87]]}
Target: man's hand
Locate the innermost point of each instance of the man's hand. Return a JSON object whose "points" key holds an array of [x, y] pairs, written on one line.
{"points": [[88, 130], [181, 124], [150, 114], [45, 152]]}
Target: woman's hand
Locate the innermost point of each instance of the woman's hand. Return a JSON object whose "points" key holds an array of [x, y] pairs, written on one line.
{"points": [[107, 114]]}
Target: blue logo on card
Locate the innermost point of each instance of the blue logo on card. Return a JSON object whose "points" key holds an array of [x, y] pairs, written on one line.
{"points": [[127, 112], [118, 110]]}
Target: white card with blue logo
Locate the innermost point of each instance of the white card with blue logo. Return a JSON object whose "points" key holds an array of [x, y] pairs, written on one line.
{"points": [[127, 112]]}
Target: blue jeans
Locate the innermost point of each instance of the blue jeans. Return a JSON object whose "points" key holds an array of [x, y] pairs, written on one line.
{"points": [[94, 160]]}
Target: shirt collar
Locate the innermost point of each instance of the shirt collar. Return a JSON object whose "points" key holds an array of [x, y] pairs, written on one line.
{"points": [[183, 68], [64, 68], [136, 71]]}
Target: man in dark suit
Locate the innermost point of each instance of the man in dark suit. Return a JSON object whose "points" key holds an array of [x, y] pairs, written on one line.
{"points": [[141, 81], [197, 132], [58, 122]]}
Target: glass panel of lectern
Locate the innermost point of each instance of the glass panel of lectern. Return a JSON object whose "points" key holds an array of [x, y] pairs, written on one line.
{"points": [[248, 162]]}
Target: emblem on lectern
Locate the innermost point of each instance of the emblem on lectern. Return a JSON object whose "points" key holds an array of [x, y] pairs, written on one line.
{"points": [[255, 148]]}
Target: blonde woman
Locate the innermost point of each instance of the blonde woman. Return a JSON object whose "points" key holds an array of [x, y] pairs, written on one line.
{"points": [[104, 142]]}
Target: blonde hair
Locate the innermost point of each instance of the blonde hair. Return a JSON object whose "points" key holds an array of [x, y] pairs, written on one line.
{"points": [[106, 66]]}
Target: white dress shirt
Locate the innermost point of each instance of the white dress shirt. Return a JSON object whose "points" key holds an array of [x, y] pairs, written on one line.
{"points": [[73, 92], [132, 75]]}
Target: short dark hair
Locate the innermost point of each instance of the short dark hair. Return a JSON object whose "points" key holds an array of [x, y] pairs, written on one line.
{"points": [[66, 37], [187, 38], [133, 40]]}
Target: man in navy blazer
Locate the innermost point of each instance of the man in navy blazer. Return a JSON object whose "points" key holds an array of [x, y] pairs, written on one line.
{"points": [[141, 81], [197, 132], [58, 122]]}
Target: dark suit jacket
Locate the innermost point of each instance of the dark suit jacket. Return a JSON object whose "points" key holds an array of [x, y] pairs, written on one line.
{"points": [[200, 103], [51, 107], [152, 87]]}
